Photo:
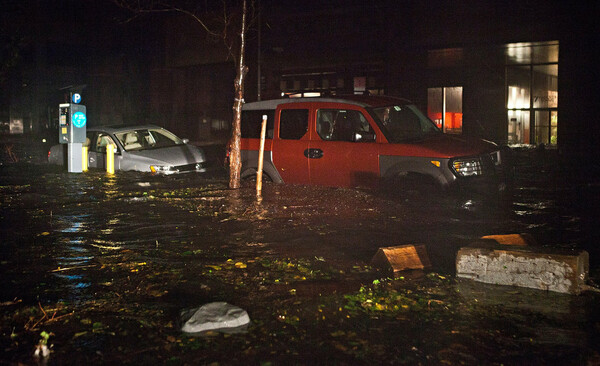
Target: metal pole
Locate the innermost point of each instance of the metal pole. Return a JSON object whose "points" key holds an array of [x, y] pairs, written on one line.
{"points": [[74, 158]]}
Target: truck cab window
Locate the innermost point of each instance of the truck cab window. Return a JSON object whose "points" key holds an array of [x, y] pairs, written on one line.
{"points": [[342, 125]]}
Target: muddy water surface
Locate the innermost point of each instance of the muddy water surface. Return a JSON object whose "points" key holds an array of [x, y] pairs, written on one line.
{"points": [[105, 264]]}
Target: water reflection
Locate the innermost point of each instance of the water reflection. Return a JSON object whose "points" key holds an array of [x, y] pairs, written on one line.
{"points": [[75, 227], [75, 280], [73, 254], [468, 205], [110, 187]]}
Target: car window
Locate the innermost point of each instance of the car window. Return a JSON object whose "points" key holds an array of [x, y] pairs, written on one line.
{"points": [[252, 122], [160, 138], [101, 141], [89, 137], [131, 140], [142, 139], [342, 125], [293, 124]]}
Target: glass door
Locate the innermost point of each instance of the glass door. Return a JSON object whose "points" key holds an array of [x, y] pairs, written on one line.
{"points": [[532, 92], [518, 127], [546, 126]]}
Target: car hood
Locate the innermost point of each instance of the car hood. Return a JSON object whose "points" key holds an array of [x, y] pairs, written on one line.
{"points": [[447, 146], [174, 155]]}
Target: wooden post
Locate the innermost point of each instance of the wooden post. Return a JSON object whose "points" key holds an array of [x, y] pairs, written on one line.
{"points": [[401, 258], [261, 154], [512, 239]]}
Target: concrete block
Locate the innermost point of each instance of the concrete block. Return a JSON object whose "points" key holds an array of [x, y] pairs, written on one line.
{"points": [[512, 239], [539, 268], [403, 257]]}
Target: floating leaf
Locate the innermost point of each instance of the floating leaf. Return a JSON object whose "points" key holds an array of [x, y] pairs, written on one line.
{"points": [[45, 335]]}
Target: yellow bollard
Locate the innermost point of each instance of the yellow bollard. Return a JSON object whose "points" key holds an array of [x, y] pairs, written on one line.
{"points": [[84, 158], [110, 159]]}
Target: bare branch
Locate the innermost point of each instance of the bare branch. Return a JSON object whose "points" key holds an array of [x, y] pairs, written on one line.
{"points": [[161, 8], [196, 18]]}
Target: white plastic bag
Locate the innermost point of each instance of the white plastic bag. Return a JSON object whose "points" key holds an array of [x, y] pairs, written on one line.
{"points": [[215, 316]]}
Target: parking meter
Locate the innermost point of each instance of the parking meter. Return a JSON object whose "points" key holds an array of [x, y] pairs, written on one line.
{"points": [[78, 123], [72, 122], [64, 120]]}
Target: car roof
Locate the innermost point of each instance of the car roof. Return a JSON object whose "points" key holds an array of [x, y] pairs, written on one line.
{"points": [[122, 128], [358, 100]]}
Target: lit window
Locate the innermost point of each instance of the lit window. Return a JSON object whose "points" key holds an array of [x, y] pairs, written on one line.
{"points": [[532, 92], [444, 108], [360, 85]]}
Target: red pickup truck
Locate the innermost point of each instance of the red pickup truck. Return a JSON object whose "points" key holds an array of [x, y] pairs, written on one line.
{"points": [[357, 140]]}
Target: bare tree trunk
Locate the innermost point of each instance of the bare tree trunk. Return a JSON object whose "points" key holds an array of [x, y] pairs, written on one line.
{"points": [[235, 164]]}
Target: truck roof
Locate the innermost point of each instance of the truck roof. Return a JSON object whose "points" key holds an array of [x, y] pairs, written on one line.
{"points": [[358, 100]]}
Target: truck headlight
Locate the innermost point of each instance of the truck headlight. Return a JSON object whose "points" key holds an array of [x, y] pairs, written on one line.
{"points": [[162, 169], [467, 167]]}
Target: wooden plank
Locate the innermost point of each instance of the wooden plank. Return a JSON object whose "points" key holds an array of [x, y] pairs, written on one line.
{"points": [[559, 271], [512, 239], [401, 258]]}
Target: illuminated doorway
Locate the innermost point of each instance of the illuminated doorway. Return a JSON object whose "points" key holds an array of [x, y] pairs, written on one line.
{"points": [[532, 92]]}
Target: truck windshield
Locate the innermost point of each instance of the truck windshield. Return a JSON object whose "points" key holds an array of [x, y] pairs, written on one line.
{"points": [[401, 123]]}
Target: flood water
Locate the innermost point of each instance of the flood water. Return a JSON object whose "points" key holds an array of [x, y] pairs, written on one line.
{"points": [[106, 263]]}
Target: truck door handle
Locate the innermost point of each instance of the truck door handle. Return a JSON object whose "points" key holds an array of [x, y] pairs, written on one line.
{"points": [[313, 153]]}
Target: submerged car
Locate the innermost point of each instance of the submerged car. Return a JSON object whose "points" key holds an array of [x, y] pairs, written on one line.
{"points": [[146, 148], [357, 140]]}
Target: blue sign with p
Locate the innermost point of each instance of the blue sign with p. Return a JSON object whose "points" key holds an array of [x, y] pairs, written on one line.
{"points": [[79, 119]]}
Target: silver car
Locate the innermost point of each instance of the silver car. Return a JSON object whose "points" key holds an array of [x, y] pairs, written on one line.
{"points": [[145, 148]]}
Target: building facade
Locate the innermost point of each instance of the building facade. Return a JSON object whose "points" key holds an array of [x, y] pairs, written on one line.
{"points": [[515, 72], [479, 68]]}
